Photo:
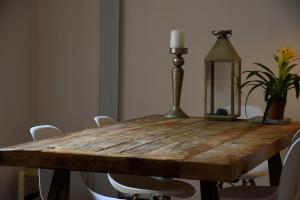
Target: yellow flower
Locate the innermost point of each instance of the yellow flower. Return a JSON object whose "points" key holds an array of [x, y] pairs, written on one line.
{"points": [[285, 54], [284, 58]]}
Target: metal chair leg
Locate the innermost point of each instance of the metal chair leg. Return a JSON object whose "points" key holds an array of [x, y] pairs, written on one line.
{"points": [[155, 198], [244, 182], [220, 185], [252, 182], [166, 197]]}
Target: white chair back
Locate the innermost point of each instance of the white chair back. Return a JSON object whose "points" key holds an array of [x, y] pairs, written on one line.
{"points": [[145, 185], [289, 187], [44, 131], [103, 121], [45, 175], [296, 136], [250, 111]]}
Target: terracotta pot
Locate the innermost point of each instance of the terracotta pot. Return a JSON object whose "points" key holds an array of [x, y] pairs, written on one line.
{"points": [[277, 110]]}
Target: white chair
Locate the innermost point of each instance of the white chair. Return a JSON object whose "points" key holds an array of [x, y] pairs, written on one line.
{"points": [[145, 185], [262, 169], [45, 176], [103, 121], [250, 111], [289, 186]]}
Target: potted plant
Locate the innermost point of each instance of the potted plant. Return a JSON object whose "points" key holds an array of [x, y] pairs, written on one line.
{"points": [[275, 85]]}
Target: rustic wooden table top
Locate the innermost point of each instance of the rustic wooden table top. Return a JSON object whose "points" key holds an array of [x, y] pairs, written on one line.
{"points": [[192, 148]]}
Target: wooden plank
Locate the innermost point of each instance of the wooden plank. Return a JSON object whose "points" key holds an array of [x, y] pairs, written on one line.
{"points": [[192, 148], [79, 138]]}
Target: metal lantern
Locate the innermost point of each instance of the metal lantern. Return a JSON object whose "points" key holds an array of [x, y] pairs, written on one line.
{"points": [[222, 79]]}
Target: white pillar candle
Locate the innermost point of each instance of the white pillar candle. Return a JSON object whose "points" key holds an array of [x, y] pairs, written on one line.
{"points": [[177, 39]]}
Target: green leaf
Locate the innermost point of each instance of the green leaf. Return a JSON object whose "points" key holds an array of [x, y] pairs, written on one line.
{"points": [[276, 58], [287, 70], [248, 83], [297, 58], [257, 73], [275, 87], [283, 85], [250, 91], [251, 73], [266, 68], [269, 103], [269, 75], [296, 86], [267, 93], [290, 67], [264, 87]]}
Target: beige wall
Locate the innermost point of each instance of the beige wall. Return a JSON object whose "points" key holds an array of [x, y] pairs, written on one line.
{"points": [[49, 58], [68, 67], [18, 42], [259, 28], [68, 70]]}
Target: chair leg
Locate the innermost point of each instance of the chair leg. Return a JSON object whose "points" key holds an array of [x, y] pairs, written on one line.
{"points": [[155, 198], [21, 185], [252, 182], [244, 182], [135, 197], [220, 185], [166, 197]]}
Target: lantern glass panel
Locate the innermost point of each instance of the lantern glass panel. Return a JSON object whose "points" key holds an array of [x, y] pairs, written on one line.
{"points": [[237, 72], [219, 87]]}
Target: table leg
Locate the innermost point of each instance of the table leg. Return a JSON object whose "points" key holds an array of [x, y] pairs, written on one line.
{"points": [[209, 190], [275, 167], [60, 185]]}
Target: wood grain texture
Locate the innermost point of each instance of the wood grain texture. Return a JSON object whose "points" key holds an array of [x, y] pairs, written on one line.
{"points": [[192, 148]]}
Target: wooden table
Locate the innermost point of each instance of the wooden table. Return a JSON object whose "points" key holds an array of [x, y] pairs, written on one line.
{"points": [[192, 148]]}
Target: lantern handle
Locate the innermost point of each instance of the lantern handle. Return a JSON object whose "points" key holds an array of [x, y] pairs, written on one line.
{"points": [[222, 34]]}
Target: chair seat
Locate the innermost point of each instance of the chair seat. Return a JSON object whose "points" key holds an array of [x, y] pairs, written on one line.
{"points": [[97, 196], [249, 193], [258, 171], [150, 185], [79, 188]]}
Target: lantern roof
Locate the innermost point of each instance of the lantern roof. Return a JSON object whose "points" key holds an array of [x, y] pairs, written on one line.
{"points": [[222, 51]]}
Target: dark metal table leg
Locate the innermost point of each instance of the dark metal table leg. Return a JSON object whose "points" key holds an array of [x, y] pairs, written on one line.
{"points": [[209, 190], [60, 185], [275, 168]]}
